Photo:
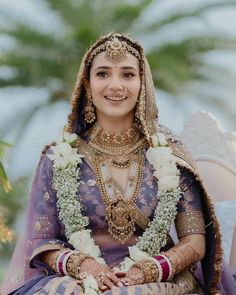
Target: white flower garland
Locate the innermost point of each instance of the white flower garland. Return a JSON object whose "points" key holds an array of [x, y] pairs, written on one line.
{"points": [[66, 180]]}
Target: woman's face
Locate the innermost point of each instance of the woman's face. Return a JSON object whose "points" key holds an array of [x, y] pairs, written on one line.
{"points": [[114, 87]]}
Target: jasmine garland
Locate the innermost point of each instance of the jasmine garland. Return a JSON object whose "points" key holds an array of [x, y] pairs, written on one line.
{"points": [[66, 179]]}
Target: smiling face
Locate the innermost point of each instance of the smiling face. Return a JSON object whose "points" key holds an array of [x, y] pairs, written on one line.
{"points": [[115, 87]]}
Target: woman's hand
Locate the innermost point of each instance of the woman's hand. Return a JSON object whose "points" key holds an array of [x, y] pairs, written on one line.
{"points": [[133, 277], [105, 277]]}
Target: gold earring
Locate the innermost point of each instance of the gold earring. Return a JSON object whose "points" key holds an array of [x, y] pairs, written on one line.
{"points": [[89, 110], [137, 115]]}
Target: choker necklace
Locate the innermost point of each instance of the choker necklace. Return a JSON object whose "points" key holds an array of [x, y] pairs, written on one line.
{"points": [[121, 148], [118, 139]]}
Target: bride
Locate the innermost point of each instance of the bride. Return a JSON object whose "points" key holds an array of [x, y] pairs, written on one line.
{"points": [[110, 195]]}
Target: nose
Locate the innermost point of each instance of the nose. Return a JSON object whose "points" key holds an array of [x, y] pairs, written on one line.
{"points": [[115, 84]]}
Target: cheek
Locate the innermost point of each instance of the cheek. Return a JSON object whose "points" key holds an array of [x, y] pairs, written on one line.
{"points": [[96, 86], [135, 88]]}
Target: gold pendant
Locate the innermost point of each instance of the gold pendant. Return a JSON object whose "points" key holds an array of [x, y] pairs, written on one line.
{"points": [[118, 164], [121, 224]]}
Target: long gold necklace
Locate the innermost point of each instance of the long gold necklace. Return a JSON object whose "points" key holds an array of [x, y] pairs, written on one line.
{"points": [[122, 153], [119, 205]]}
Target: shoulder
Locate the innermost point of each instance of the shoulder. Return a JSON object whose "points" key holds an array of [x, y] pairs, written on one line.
{"points": [[182, 155], [46, 150]]}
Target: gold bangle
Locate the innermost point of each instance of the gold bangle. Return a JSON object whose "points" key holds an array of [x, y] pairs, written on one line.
{"points": [[74, 262], [149, 269]]}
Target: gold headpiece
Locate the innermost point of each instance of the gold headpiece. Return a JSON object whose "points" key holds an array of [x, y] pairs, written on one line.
{"points": [[115, 51]]}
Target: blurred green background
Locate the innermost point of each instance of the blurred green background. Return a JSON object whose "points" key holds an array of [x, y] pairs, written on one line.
{"points": [[190, 46]]}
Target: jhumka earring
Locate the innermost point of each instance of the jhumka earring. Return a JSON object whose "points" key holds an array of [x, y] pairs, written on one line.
{"points": [[89, 110], [137, 115]]}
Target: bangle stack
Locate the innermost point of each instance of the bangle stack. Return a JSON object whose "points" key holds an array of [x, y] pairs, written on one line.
{"points": [[74, 262], [68, 262], [164, 266], [61, 262], [149, 270]]}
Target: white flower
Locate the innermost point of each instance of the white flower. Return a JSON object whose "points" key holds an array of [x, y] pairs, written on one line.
{"points": [[166, 170], [159, 156], [63, 154], [168, 183], [70, 137], [159, 140], [83, 242], [155, 141], [90, 286], [65, 136], [136, 254], [125, 265], [162, 139]]}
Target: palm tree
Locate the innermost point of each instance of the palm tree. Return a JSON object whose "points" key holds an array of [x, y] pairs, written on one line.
{"points": [[51, 61]]}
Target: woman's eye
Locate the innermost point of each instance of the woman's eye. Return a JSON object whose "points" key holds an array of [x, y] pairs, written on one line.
{"points": [[129, 75], [102, 74]]}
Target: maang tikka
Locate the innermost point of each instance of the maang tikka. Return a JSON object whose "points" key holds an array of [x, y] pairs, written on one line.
{"points": [[90, 116]]}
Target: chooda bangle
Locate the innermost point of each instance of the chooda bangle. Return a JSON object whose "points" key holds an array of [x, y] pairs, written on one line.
{"points": [[74, 262], [61, 260], [165, 265]]}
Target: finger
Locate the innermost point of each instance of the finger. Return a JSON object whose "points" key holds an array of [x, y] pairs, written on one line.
{"points": [[127, 282], [114, 279], [101, 286], [107, 282]]}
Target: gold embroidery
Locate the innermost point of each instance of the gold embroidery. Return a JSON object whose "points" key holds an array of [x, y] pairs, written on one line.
{"points": [[46, 196], [44, 248], [37, 225], [91, 182], [190, 223]]}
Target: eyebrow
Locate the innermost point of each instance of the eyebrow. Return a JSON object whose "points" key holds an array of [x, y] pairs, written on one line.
{"points": [[108, 68]]}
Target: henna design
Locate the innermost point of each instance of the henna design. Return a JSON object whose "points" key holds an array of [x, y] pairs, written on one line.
{"points": [[182, 255]]}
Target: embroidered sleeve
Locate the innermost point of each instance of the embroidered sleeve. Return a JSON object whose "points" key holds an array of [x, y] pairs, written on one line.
{"points": [[45, 231], [189, 219]]}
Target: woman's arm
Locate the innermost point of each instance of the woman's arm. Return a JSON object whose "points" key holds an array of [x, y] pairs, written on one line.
{"points": [[187, 252], [190, 228]]}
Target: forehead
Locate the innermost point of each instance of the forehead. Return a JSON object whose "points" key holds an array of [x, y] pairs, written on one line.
{"points": [[129, 61]]}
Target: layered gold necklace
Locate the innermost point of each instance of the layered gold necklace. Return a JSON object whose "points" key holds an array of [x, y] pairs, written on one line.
{"points": [[120, 150]]}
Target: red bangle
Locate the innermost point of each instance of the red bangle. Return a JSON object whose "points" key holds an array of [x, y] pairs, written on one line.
{"points": [[165, 265], [59, 262]]}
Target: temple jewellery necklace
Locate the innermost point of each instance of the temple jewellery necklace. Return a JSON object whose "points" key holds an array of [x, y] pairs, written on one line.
{"points": [[119, 205], [121, 151]]}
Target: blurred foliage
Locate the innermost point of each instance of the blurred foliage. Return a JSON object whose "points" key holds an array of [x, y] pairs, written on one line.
{"points": [[5, 187], [3, 176], [11, 200], [11, 203], [51, 60]]}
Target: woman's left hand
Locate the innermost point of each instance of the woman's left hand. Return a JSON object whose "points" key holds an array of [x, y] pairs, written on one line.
{"points": [[133, 277]]}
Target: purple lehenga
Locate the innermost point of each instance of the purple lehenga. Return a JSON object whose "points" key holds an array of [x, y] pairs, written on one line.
{"points": [[44, 231]]}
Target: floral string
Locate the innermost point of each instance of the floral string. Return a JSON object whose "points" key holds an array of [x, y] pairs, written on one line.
{"points": [[66, 181]]}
